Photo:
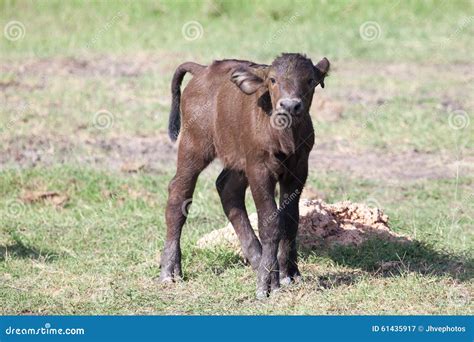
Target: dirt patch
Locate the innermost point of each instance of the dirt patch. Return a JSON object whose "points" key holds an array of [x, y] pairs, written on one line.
{"points": [[33, 150], [151, 153], [321, 224], [157, 154], [387, 166], [357, 77], [51, 197], [100, 65], [113, 153], [373, 83]]}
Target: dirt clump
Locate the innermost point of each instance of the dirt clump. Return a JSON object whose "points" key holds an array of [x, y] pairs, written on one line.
{"points": [[50, 197], [321, 225]]}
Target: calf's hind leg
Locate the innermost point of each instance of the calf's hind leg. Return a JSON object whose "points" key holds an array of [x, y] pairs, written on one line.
{"points": [[190, 164], [231, 186]]}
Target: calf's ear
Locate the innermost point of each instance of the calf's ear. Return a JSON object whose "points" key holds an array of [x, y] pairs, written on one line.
{"points": [[247, 79], [322, 69]]}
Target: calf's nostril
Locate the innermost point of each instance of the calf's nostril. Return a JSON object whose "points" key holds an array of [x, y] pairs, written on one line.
{"points": [[297, 107], [283, 104]]}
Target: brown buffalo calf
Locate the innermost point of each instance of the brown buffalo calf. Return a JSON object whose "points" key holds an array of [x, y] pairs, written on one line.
{"points": [[255, 119]]}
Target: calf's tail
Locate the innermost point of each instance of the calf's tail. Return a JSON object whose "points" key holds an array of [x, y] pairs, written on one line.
{"points": [[174, 123]]}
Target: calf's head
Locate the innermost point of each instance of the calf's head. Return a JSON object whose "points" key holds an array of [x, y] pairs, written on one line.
{"points": [[290, 81]]}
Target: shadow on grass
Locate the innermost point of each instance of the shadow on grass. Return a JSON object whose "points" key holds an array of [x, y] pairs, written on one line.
{"points": [[376, 256], [19, 250], [336, 279], [388, 258], [216, 261]]}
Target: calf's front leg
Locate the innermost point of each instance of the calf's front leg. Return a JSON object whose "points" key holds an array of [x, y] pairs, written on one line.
{"points": [[262, 184], [291, 187]]}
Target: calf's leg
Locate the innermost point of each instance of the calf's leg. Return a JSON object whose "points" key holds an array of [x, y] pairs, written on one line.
{"points": [[291, 187], [231, 186], [190, 164], [262, 185]]}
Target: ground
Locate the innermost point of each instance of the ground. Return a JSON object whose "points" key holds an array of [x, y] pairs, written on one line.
{"points": [[84, 96]]}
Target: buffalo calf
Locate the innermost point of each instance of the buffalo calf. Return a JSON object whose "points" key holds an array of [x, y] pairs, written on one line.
{"points": [[255, 119]]}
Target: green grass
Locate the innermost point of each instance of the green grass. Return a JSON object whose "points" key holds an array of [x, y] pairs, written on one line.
{"points": [[100, 253], [409, 29]]}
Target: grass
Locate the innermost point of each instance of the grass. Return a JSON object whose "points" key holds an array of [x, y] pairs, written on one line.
{"points": [[410, 30], [99, 255], [398, 94]]}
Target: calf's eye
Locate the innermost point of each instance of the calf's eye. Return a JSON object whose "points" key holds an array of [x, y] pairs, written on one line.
{"points": [[272, 80]]}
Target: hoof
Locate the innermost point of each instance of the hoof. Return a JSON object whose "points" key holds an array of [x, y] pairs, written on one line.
{"points": [[169, 279], [261, 295], [297, 279], [275, 291], [285, 281], [166, 280]]}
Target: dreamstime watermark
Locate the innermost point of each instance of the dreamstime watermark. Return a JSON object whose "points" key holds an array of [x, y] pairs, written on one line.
{"points": [[281, 121], [103, 119], [286, 201], [196, 115], [103, 295], [458, 119], [194, 119], [20, 111], [370, 30], [459, 297], [15, 208], [10, 123], [282, 29], [186, 209], [104, 29], [372, 203], [46, 330], [14, 30], [371, 118], [192, 30], [464, 23], [379, 111]]}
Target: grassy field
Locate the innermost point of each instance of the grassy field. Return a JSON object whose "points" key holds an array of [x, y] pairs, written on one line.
{"points": [[84, 100]]}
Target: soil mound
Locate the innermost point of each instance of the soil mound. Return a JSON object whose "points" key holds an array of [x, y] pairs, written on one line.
{"points": [[321, 224]]}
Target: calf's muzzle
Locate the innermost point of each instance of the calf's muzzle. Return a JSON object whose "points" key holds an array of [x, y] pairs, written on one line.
{"points": [[291, 106]]}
